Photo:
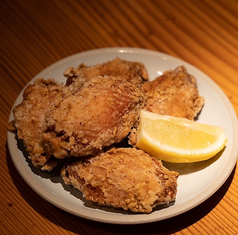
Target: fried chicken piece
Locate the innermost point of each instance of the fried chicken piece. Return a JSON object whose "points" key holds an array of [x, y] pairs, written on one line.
{"points": [[38, 98], [131, 71], [174, 93], [123, 178], [98, 115]]}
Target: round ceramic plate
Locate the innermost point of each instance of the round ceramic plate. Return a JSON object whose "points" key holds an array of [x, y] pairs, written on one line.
{"points": [[197, 181]]}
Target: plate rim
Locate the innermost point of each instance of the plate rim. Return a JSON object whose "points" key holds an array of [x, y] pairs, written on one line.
{"points": [[53, 199]]}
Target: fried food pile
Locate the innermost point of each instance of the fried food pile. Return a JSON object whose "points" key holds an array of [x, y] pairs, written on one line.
{"points": [[81, 122]]}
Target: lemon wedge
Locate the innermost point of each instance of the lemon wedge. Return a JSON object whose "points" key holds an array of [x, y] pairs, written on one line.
{"points": [[178, 140]]}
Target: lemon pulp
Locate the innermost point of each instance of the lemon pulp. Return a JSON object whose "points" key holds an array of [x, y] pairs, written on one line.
{"points": [[178, 140]]}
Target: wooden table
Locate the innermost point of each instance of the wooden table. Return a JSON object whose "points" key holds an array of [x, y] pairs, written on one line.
{"points": [[35, 34]]}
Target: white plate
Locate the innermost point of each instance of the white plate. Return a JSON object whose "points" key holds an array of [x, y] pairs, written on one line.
{"points": [[197, 181]]}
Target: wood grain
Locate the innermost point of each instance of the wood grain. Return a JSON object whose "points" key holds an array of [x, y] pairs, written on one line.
{"points": [[35, 34]]}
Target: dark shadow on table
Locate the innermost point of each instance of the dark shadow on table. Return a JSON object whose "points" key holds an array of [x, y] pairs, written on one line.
{"points": [[79, 225]]}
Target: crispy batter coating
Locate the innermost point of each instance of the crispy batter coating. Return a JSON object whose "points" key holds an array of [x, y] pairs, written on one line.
{"points": [[131, 71], [174, 93], [100, 114], [123, 178], [38, 98], [43, 96]]}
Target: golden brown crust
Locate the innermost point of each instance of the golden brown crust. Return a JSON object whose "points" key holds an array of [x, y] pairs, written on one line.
{"points": [[38, 98], [174, 93], [100, 114], [131, 71], [44, 96], [123, 178]]}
